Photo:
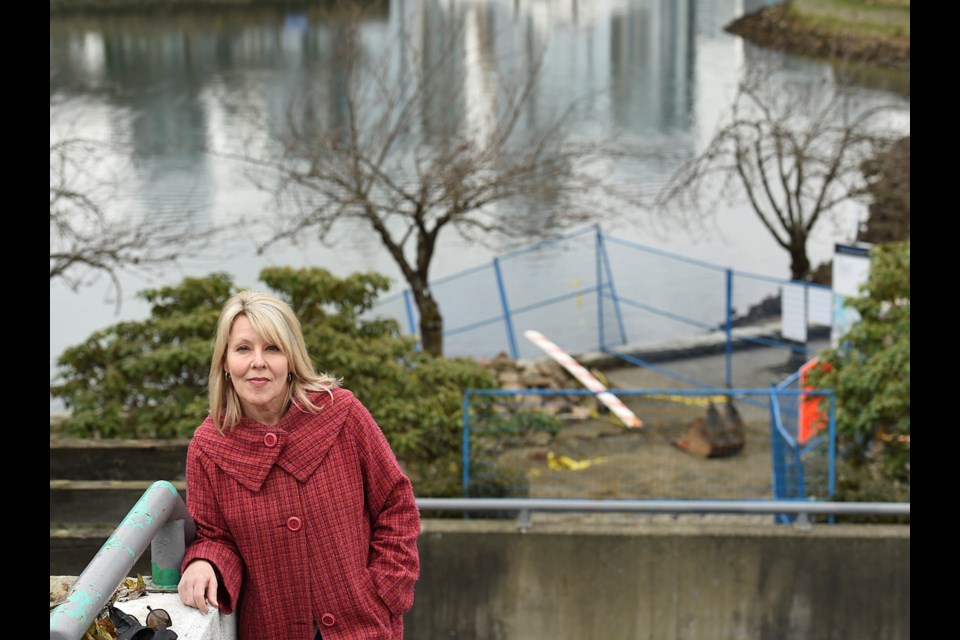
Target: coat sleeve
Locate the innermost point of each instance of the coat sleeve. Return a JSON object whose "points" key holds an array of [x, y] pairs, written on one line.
{"points": [[394, 561], [213, 542]]}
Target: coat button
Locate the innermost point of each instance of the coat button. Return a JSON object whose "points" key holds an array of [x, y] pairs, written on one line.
{"points": [[270, 439], [293, 523], [327, 620]]}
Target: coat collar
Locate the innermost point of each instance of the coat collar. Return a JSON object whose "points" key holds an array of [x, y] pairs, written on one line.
{"points": [[302, 442]]}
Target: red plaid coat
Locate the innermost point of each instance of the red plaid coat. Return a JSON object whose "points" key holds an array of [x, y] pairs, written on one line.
{"points": [[309, 522]]}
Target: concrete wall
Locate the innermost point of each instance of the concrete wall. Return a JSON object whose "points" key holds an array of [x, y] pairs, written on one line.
{"points": [[485, 580]]}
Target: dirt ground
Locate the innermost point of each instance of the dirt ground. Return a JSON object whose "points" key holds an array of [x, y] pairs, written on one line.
{"points": [[599, 458]]}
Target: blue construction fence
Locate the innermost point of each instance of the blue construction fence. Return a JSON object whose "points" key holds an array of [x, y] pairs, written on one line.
{"points": [[595, 293], [508, 451], [589, 292]]}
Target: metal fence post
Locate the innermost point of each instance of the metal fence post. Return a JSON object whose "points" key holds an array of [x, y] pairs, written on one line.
{"points": [[603, 265], [465, 448], [159, 505], [729, 327], [505, 306], [166, 553], [408, 307]]}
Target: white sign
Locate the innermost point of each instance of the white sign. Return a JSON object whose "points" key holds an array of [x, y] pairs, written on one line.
{"points": [[851, 269], [793, 312]]}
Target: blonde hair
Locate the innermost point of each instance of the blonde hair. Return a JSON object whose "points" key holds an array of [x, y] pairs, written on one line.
{"points": [[275, 322]]}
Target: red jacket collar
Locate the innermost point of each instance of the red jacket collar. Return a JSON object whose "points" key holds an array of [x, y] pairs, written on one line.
{"points": [[302, 441]]}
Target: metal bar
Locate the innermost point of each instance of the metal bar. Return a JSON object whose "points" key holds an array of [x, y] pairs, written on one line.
{"points": [[728, 328], [159, 506], [666, 254], [832, 446], [665, 506], [618, 312], [705, 391], [778, 435], [465, 444], [166, 554], [597, 248], [409, 306], [505, 307]]}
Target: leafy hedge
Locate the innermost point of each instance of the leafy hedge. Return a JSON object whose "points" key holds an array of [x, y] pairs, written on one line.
{"points": [[870, 374], [148, 379]]}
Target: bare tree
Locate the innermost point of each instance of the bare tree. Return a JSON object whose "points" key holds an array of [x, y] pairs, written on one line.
{"points": [[87, 240], [796, 152], [393, 144]]}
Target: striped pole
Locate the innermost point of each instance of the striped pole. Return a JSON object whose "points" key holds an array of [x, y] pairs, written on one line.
{"points": [[586, 378]]}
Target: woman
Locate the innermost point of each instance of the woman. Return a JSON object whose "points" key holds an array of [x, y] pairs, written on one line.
{"points": [[306, 524]]}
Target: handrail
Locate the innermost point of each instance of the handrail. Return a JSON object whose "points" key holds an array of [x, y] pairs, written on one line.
{"points": [[803, 508], [158, 519]]}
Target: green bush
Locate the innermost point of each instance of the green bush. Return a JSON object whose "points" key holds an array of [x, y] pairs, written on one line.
{"points": [[148, 379], [869, 372]]}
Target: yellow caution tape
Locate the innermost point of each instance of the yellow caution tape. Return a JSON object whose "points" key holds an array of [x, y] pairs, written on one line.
{"points": [[695, 401], [566, 463]]}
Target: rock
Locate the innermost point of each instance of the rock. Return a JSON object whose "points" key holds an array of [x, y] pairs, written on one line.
{"points": [[718, 434]]}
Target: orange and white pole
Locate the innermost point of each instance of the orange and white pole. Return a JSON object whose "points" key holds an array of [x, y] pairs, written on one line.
{"points": [[586, 378]]}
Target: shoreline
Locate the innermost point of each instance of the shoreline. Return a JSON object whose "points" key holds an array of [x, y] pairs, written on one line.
{"points": [[793, 31]]}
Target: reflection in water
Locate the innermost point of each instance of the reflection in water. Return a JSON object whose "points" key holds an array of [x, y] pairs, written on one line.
{"points": [[651, 60], [657, 73]]}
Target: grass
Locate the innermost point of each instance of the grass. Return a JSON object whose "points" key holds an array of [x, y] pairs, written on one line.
{"points": [[878, 18]]}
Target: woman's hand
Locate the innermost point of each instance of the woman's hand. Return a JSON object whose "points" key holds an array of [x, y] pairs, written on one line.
{"points": [[198, 586]]}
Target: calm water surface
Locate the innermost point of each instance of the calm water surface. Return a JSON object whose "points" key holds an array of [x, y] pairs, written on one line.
{"points": [[665, 72]]}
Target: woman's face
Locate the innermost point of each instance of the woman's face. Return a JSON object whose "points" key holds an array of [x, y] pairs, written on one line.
{"points": [[258, 371]]}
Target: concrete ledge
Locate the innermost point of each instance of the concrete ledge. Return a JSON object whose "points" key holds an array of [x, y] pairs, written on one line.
{"points": [[97, 502], [189, 623], [73, 548], [126, 459], [697, 580], [568, 581]]}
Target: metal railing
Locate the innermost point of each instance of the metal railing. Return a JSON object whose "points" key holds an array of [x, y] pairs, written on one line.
{"points": [[803, 509], [159, 520]]}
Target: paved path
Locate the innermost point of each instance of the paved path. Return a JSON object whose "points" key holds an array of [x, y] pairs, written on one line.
{"points": [[703, 358]]}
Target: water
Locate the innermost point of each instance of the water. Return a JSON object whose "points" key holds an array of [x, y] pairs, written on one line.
{"points": [[666, 72]]}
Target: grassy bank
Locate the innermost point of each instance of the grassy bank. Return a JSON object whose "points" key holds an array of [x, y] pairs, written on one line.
{"points": [[875, 18], [873, 32]]}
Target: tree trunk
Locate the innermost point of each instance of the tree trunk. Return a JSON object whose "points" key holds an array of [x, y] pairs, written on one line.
{"points": [[799, 262], [431, 325]]}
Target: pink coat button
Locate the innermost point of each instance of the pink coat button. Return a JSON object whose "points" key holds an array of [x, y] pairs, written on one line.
{"points": [[294, 523], [270, 439], [327, 620]]}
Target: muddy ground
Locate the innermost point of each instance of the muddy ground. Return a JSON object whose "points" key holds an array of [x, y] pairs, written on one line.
{"points": [[599, 458]]}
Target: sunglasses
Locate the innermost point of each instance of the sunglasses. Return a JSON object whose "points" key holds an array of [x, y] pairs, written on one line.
{"points": [[158, 618], [127, 626]]}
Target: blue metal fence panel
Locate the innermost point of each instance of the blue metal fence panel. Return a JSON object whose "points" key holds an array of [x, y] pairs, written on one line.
{"points": [[595, 293], [508, 454], [598, 293], [562, 304], [654, 286]]}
